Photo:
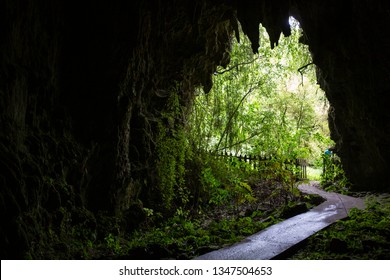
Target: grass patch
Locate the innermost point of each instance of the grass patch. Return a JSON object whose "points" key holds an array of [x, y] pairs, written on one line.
{"points": [[313, 174]]}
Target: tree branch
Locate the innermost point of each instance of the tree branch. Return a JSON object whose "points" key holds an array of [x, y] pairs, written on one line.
{"points": [[232, 115], [236, 66], [240, 142], [300, 70]]}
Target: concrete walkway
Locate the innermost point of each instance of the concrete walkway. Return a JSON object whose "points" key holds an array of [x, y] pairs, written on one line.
{"points": [[276, 239]]}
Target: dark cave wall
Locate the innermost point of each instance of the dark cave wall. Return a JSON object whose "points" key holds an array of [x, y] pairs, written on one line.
{"points": [[83, 89], [61, 130], [26, 132], [172, 58], [350, 43]]}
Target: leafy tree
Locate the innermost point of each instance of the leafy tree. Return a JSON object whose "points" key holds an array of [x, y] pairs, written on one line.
{"points": [[263, 104]]}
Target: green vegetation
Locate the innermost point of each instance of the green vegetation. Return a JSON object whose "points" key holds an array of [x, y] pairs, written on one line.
{"points": [[313, 173], [333, 177], [262, 105], [172, 152]]}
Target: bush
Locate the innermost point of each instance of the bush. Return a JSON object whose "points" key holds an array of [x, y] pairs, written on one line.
{"points": [[333, 178]]}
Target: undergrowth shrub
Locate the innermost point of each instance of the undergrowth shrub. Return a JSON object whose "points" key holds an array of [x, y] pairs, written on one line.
{"points": [[333, 177], [282, 174], [172, 151], [226, 180]]}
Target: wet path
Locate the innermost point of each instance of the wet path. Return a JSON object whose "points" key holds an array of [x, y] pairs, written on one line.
{"points": [[276, 239]]}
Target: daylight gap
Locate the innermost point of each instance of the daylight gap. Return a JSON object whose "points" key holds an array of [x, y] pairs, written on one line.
{"points": [[267, 104]]}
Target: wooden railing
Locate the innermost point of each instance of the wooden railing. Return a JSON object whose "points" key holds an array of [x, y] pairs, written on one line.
{"points": [[302, 164], [256, 161]]}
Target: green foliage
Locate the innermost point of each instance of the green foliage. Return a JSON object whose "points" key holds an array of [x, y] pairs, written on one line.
{"points": [[243, 192], [226, 180], [113, 243], [172, 151], [77, 233], [260, 104], [218, 195], [282, 173], [314, 173], [188, 236], [333, 178]]}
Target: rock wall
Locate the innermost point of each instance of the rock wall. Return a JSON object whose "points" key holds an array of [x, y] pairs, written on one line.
{"points": [[350, 46], [82, 90]]}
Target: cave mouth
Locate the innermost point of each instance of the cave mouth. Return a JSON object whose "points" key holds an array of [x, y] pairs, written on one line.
{"points": [[265, 104], [85, 97]]}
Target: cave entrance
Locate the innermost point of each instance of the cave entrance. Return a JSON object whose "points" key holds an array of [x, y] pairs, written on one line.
{"points": [[267, 104]]}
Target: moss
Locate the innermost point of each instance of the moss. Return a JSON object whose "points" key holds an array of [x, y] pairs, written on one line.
{"points": [[172, 153]]}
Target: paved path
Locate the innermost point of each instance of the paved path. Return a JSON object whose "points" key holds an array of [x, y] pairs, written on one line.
{"points": [[276, 239]]}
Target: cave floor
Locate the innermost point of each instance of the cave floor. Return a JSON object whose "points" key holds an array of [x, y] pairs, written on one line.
{"points": [[273, 242]]}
